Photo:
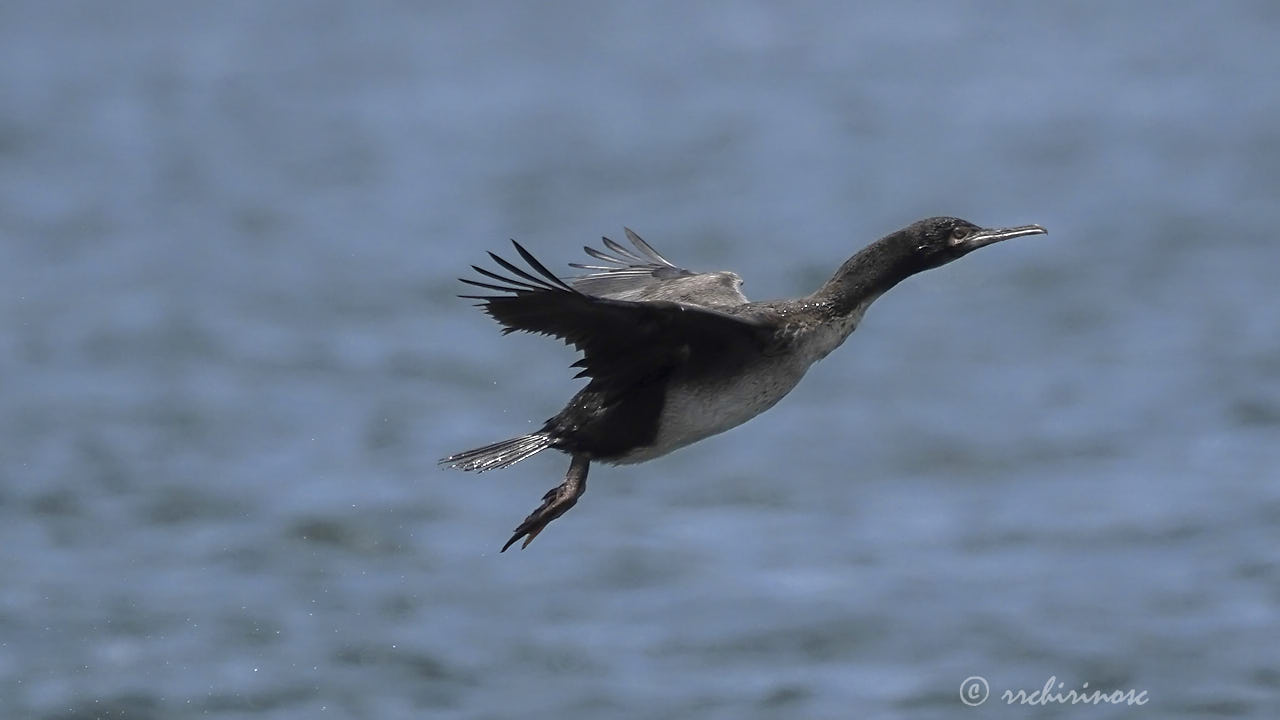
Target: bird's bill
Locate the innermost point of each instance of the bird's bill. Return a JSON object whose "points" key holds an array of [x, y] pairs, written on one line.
{"points": [[987, 236]]}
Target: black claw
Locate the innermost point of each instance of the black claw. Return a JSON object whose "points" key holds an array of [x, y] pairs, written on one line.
{"points": [[512, 541]]}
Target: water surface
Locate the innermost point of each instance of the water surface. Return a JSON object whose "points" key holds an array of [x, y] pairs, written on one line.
{"points": [[229, 238]]}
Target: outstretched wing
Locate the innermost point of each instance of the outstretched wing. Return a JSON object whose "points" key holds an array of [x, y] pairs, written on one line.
{"points": [[623, 342], [644, 274]]}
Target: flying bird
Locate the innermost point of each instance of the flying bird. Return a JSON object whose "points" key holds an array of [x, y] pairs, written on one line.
{"points": [[674, 356]]}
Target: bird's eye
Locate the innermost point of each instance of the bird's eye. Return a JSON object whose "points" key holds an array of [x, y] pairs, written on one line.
{"points": [[959, 233]]}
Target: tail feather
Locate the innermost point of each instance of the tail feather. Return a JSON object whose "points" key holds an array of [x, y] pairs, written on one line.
{"points": [[500, 454]]}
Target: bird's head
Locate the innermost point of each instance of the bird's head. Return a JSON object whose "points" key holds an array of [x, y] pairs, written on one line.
{"points": [[936, 241]]}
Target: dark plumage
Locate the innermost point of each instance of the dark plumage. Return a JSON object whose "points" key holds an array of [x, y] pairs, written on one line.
{"points": [[673, 356]]}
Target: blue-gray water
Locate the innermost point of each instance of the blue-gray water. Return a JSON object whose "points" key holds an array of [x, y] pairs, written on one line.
{"points": [[231, 355]]}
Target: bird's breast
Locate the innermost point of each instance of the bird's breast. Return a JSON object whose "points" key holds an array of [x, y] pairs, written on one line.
{"points": [[694, 409]]}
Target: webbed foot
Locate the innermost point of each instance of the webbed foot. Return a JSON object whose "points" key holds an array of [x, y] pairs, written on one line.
{"points": [[555, 503]]}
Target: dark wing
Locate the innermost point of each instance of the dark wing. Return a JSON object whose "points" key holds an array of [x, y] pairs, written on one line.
{"points": [[643, 274], [623, 343]]}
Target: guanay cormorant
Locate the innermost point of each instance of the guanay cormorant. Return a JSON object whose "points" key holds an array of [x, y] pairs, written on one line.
{"points": [[675, 356]]}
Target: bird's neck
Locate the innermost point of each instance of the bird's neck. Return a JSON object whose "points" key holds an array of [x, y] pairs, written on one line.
{"points": [[866, 276], [833, 312]]}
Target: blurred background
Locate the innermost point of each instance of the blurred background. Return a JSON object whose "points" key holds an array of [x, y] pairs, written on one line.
{"points": [[231, 355]]}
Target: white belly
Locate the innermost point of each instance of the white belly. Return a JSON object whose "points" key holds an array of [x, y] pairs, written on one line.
{"points": [[694, 412]]}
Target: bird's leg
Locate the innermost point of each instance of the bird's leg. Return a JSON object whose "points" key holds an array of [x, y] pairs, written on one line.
{"points": [[554, 504]]}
